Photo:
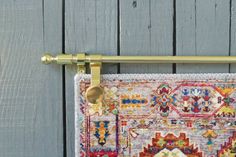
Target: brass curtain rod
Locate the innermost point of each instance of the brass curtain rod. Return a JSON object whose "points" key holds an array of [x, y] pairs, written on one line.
{"points": [[95, 91], [88, 58]]}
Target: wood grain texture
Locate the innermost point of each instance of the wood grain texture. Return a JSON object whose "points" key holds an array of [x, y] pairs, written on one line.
{"points": [[233, 34], [202, 28], [146, 28], [90, 26], [30, 93]]}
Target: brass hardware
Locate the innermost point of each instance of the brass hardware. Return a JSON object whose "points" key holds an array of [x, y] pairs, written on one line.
{"points": [[59, 59], [63, 58], [95, 67], [94, 93], [81, 68], [47, 59], [70, 59], [79, 58]]}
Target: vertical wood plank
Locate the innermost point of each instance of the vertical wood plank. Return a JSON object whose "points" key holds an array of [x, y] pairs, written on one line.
{"points": [[202, 28], [146, 28], [233, 34], [91, 27], [30, 93]]}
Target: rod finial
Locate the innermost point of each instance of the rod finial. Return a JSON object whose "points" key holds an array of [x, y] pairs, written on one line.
{"points": [[47, 58]]}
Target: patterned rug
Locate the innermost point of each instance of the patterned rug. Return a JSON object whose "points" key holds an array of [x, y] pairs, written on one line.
{"points": [[158, 115]]}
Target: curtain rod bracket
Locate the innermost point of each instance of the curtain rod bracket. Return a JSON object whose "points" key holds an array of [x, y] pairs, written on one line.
{"points": [[94, 94]]}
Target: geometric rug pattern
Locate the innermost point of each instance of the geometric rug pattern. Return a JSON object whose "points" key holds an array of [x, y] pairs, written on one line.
{"points": [[158, 115]]}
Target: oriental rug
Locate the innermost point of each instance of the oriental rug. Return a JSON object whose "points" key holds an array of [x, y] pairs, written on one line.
{"points": [[157, 115]]}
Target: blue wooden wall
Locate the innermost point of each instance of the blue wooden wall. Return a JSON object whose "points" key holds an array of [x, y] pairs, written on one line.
{"points": [[37, 101]]}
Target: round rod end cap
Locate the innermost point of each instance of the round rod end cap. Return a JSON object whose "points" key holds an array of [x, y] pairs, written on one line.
{"points": [[46, 59]]}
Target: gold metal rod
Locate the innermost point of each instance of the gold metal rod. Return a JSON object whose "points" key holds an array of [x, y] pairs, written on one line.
{"points": [[78, 58], [168, 59]]}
